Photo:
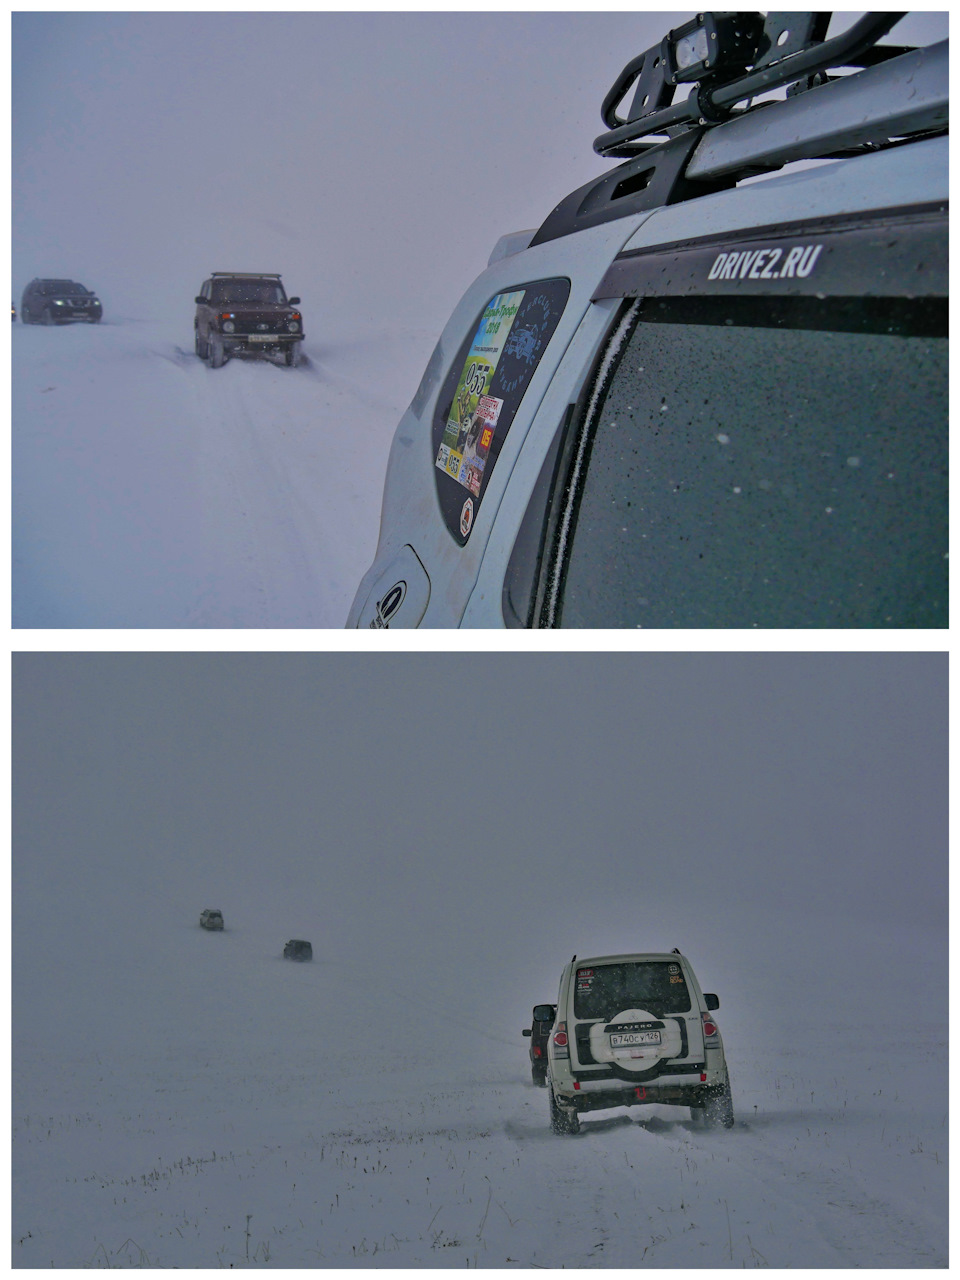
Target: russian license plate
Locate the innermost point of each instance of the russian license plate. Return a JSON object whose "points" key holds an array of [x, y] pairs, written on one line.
{"points": [[631, 1038], [261, 337]]}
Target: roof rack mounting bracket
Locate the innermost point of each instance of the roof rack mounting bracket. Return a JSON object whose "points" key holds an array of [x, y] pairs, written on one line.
{"points": [[657, 177]]}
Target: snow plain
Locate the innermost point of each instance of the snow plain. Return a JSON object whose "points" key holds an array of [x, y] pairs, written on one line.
{"points": [[186, 1099], [152, 491]]}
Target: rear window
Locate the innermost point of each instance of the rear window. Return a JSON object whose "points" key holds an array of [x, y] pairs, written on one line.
{"points": [[767, 444], [603, 991]]}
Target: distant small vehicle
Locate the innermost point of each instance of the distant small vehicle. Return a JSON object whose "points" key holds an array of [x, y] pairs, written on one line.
{"points": [[211, 919], [539, 1033], [13, 311], [298, 949], [57, 301]]}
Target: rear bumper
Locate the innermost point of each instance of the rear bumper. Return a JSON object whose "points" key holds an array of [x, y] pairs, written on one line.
{"points": [[692, 1095]]}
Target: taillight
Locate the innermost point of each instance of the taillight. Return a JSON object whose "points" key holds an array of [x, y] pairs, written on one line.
{"points": [[709, 1026], [560, 1046]]}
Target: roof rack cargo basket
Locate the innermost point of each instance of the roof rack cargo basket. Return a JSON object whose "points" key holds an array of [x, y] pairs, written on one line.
{"points": [[710, 142]]}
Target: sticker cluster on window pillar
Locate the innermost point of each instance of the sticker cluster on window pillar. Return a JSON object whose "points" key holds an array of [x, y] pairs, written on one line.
{"points": [[474, 413]]}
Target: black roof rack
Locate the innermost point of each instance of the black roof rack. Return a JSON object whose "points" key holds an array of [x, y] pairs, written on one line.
{"points": [[729, 58], [764, 54], [248, 275]]}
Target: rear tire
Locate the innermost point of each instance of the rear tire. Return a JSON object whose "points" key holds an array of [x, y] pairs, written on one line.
{"points": [[539, 1076], [562, 1120]]}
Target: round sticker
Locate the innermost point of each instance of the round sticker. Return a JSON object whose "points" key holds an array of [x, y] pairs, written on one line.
{"points": [[466, 517], [674, 968]]}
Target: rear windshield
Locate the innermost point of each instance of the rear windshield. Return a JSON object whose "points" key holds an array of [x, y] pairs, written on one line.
{"points": [[248, 291], [769, 463], [605, 990]]}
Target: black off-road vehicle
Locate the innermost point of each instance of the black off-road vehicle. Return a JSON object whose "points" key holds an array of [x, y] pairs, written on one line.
{"points": [[246, 312], [57, 301], [539, 1033]]}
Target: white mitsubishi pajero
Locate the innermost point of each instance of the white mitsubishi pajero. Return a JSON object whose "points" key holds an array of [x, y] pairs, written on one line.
{"points": [[632, 1030]]}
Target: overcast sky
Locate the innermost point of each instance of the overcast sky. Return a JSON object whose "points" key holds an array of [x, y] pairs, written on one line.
{"points": [[474, 790], [366, 156], [372, 158]]}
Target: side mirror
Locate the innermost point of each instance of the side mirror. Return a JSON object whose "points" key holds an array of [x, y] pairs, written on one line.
{"points": [[199, 301], [711, 1001], [294, 302], [527, 1031]]}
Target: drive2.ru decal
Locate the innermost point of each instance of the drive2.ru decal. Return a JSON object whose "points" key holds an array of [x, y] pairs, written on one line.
{"points": [[797, 262]]}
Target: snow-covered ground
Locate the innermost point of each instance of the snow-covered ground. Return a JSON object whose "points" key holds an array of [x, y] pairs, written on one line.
{"points": [[190, 1099], [152, 491], [431, 824]]}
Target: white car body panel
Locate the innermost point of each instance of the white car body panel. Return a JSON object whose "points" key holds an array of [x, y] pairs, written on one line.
{"points": [[466, 583]]}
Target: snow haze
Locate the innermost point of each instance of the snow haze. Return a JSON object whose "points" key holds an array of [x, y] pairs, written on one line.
{"points": [[448, 830], [373, 159]]}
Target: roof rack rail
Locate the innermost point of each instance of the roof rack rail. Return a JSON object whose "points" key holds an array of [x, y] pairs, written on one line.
{"points": [[729, 57], [248, 275], [898, 94]]}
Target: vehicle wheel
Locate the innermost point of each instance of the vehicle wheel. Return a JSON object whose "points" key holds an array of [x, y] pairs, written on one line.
{"points": [[562, 1120], [697, 1117], [199, 347], [292, 355], [539, 1076], [47, 316], [215, 351], [718, 1112]]}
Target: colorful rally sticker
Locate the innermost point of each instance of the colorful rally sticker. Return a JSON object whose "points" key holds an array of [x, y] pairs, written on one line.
{"points": [[474, 413]]}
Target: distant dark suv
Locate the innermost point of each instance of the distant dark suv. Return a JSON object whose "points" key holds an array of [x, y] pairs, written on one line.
{"points": [[539, 1033], [56, 301], [248, 312]]}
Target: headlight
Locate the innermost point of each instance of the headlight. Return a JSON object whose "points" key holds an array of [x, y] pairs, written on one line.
{"points": [[293, 326], [228, 326], [59, 302]]}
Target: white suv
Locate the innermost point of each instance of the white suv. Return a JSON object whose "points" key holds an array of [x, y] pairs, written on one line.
{"points": [[635, 1030], [702, 393]]}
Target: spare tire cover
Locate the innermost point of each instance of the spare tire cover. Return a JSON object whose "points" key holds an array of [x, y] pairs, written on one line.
{"points": [[635, 1057]]}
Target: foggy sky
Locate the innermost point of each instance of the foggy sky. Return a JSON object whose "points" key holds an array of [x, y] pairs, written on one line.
{"points": [[366, 156], [371, 158], [483, 788]]}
